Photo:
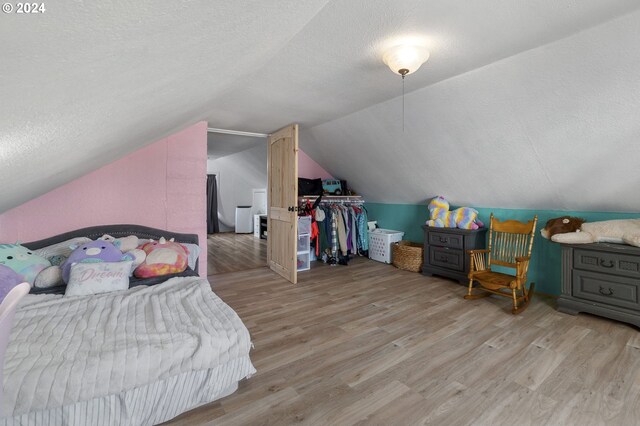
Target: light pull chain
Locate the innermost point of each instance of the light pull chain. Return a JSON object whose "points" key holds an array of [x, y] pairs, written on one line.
{"points": [[403, 104], [403, 72]]}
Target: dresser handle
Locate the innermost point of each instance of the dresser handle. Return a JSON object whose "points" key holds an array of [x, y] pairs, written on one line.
{"points": [[602, 291], [443, 240], [443, 260], [608, 265]]}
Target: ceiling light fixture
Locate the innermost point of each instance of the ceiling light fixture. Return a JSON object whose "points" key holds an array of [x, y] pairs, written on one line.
{"points": [[405, 59]]}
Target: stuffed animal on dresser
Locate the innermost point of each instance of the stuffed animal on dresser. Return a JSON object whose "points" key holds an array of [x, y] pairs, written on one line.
{"points": [[574, 230], [441, 217]]}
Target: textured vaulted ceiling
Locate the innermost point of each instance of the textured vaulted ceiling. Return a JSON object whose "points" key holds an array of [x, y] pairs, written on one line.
{"points": [[552, 128], [222, 145], [88, 82]]}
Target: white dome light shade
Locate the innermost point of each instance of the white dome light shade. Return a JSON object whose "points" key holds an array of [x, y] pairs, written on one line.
{"points": [[405, 59]]}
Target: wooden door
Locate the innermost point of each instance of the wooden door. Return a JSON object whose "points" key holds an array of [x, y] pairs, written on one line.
{"points": [[282, 196]]}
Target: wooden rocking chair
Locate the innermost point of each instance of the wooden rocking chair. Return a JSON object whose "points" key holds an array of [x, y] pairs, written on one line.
{"points": [[510, 244]]}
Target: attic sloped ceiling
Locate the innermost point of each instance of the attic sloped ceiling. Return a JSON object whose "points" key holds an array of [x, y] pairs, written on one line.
{"points": [[334, 66], [86, 83], [552, 128]]}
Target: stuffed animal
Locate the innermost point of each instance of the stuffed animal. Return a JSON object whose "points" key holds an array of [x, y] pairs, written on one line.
{"points": [[127, 245], [163, 257], [23, 261], [93, 251], [8, 280], [124, 244], [441, 217], [49, 277], [573, 230]]}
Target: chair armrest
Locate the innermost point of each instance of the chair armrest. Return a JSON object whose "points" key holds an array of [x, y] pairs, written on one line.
{"points": [[478, 261], [522, 266], [478, 251]]}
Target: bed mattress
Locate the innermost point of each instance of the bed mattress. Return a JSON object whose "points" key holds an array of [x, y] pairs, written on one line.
{"points": [[140, 356]]}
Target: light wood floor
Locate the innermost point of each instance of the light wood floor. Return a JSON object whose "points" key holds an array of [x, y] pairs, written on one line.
{"points": [[369, 344], [231, 252]]}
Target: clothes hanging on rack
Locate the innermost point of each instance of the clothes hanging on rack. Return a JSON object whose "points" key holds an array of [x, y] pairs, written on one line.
{"points": [[341, 231]]}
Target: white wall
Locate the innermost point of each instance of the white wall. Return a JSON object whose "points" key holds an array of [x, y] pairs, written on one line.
{"points": [[556, 127], [238, 175]]}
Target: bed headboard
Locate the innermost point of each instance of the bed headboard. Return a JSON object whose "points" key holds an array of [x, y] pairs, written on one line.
{"points": [[116, 231]]}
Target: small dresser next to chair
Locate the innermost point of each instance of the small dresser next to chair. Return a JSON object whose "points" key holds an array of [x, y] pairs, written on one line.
{"points": [[601, 279], [445, 251]]}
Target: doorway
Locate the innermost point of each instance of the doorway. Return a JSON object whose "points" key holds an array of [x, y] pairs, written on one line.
{"points": [[237, 164]]}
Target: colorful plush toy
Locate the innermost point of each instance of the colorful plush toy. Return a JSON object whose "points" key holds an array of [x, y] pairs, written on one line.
{"points": [[163, 257], [574, 230], [8, 280], [441, 217], [23, 261], [93, 251]]}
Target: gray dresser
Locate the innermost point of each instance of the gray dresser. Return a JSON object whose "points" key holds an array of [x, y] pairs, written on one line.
{"points": [[601, 279], [445, 251]]}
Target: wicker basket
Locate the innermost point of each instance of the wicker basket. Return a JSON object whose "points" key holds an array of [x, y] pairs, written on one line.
{"points": [[408, 255]]}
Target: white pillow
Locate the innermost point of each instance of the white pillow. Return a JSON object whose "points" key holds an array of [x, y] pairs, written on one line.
{"points": [[61, 249], [194, 252], [98, 277]]}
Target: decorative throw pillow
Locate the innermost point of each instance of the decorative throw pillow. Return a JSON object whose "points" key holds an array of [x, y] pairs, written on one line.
{"points": [[8, 280], [98, 277], [23, 261], [163, 258]]}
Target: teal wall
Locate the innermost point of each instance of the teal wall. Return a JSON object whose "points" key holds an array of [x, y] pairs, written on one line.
{"points": [[545, 265]]}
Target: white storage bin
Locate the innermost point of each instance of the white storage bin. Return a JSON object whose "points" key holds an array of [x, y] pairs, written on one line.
{"points": [[303, 262], [380, 241], [304, 243], [304, 225]]}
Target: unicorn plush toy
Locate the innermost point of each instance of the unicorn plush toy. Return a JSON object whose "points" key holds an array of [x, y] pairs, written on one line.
{"points": [[442, 217]]}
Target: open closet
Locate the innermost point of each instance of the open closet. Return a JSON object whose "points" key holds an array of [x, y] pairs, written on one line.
{"points": [[339, 227]]}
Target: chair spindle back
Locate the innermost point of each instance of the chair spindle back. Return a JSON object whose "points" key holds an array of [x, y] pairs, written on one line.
{"points": [[510, 239]]}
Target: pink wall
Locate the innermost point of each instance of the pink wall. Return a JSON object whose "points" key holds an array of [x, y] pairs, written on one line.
{"points": [[308, 168], [162, 185]]}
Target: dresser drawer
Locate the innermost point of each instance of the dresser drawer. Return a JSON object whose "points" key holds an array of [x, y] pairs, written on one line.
{"points": [[443, 239], [607, 289], [446, 258], [607, 262]]}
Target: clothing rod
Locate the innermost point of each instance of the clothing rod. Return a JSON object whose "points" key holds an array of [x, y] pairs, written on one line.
{"points": [[332, 197], [335, 201]]}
